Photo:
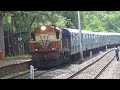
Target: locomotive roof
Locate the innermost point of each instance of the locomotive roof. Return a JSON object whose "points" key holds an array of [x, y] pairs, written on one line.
{"points": [[72, 30]]}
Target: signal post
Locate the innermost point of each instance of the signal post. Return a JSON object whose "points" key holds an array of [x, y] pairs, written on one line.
{"points": [[80, 34]]}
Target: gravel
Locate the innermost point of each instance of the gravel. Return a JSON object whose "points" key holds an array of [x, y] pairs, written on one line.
{"points": [[27, 76], [92, 71], [67, 71], [77, 67], [112, 71]]}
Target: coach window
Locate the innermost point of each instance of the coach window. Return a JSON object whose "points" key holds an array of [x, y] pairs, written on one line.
{"points": [[78, 36], [82, 36], [72, 36], [88, 38], [85, 38], [93, 39]]}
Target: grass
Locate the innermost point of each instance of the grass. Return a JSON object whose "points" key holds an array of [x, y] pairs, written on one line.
{"points": [[20, 57]]}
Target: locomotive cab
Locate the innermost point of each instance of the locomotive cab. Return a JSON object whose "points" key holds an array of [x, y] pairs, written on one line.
{"points": [[48, 38], [45, 44], [32, 36]]}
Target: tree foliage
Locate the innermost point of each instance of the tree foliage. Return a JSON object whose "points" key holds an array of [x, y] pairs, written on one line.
{"points": [[99, 21], [24, 21]]}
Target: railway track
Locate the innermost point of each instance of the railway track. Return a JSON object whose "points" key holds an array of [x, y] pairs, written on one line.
{"points": [[104, 68], [38, 73], [63, 69], [28, 72], [83, 69], [35, 71]]}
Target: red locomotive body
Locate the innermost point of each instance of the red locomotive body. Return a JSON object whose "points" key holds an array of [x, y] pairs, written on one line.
{"points": [[45, 46]]}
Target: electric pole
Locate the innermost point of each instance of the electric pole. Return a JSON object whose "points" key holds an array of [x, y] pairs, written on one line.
{"points": [[80, 34], [2, 46]]}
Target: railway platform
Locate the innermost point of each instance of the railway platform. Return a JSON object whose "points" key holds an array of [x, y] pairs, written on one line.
{"points": [[9, 67], [4, 63]]}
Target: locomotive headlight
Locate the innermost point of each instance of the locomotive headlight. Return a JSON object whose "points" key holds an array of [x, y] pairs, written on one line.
{"points": [[36, 50], [43, 28], [53, 48]]}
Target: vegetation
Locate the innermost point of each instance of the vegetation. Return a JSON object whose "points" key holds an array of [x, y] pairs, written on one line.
{"points": [[21, 57], [99, 21], [15, 23]]}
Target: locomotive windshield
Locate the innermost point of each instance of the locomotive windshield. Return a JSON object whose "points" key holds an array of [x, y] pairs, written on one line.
{"points": [[32, 36], [57, 34]]}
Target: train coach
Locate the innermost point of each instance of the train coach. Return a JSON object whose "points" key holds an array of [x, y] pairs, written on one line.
{"points": [[51, 46]]}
